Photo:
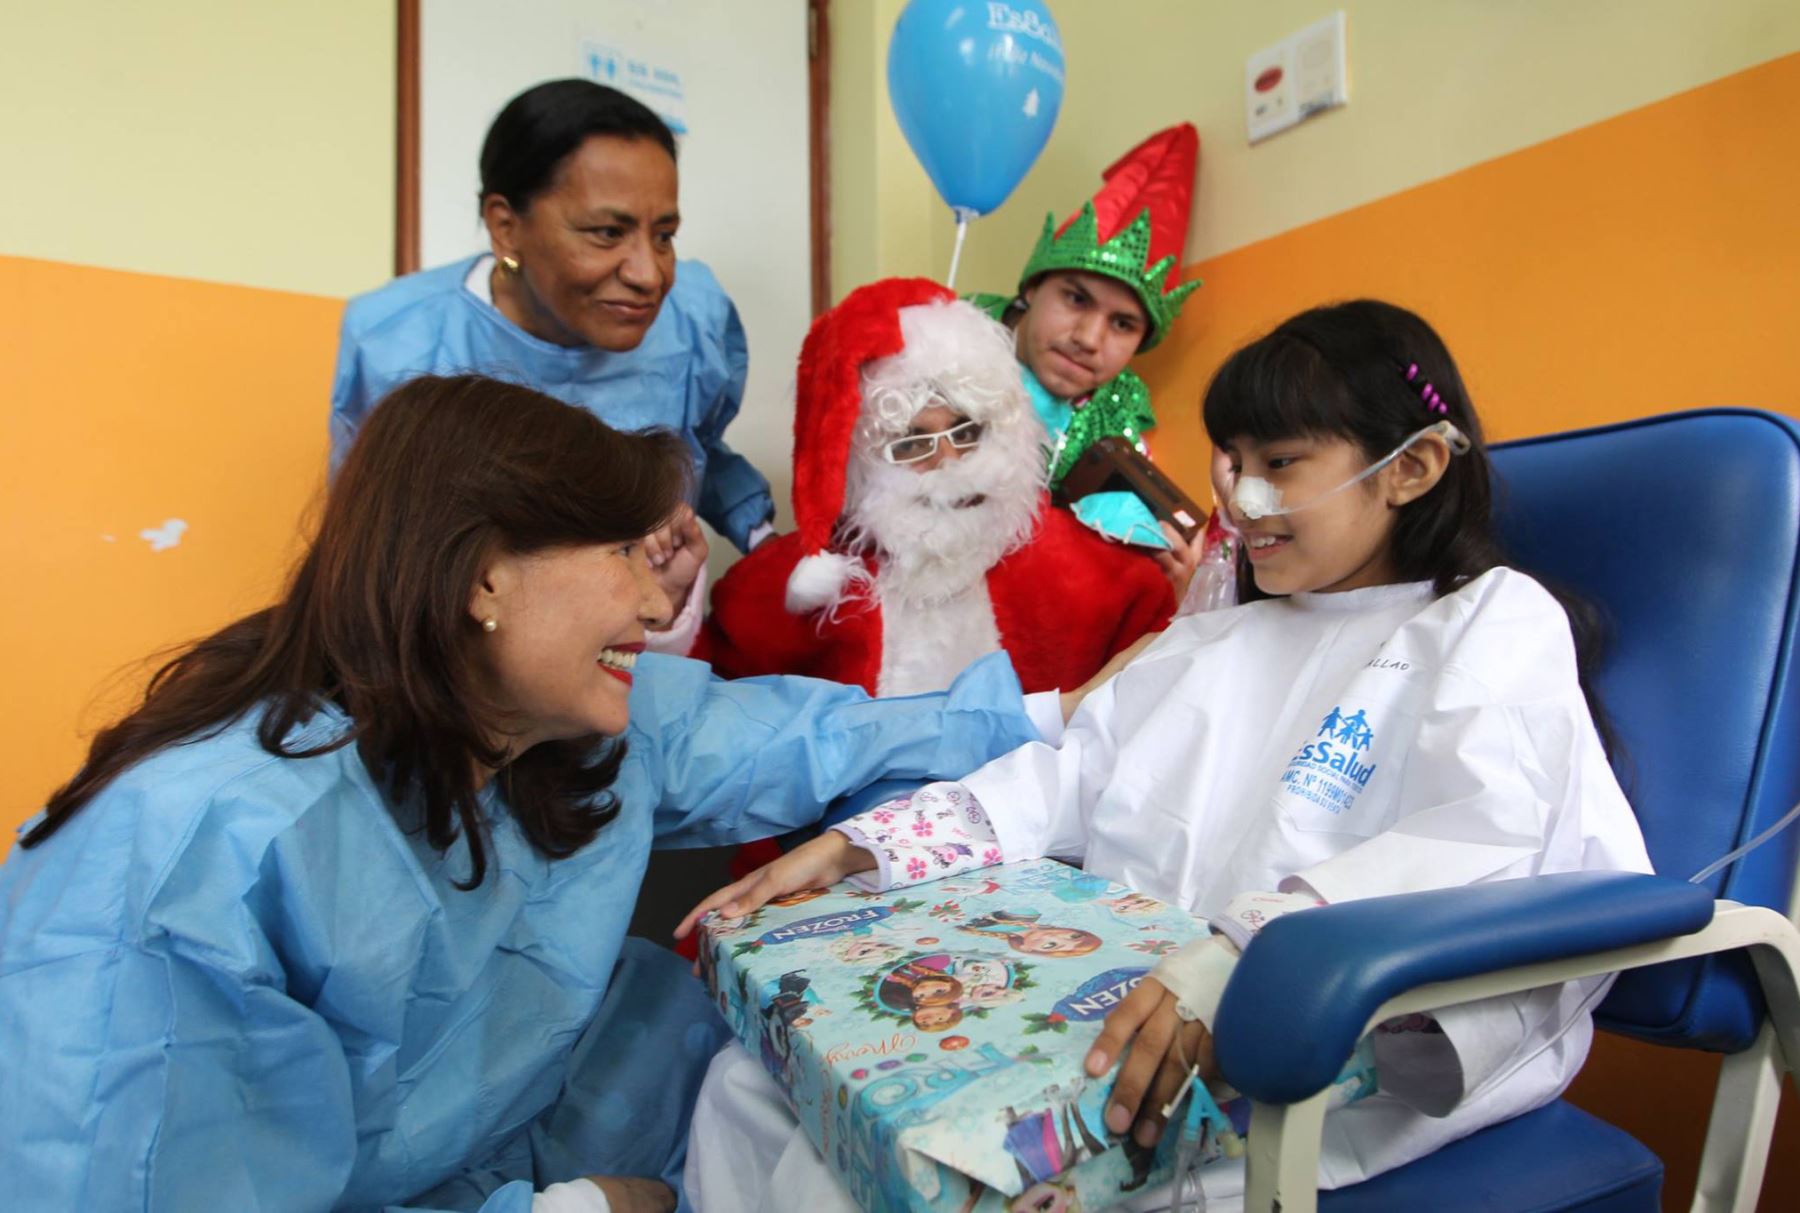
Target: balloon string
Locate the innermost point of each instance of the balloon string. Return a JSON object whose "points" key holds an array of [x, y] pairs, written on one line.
{"points": [[962, 229]]}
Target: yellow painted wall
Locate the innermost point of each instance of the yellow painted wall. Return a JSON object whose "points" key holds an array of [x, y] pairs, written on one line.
{"points": [[192, 188], [234, 142], [1435, 86]]}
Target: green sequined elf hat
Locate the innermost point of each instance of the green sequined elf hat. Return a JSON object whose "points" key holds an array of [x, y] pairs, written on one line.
{"points": [[1152, 186]]}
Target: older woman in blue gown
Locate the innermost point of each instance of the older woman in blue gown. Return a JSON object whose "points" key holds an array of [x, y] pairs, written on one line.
{"points": [[582, 298]]}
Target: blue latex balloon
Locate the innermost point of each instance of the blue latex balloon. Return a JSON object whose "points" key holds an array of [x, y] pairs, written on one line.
{"points": [[976, 85]]}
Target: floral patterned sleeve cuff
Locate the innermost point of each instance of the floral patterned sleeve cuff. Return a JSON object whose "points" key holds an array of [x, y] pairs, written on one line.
{"points": [[940, 830]]}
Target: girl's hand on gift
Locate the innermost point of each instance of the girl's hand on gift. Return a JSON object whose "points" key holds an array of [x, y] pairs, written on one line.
{"points": [[825, 860], [1159, 1039]]}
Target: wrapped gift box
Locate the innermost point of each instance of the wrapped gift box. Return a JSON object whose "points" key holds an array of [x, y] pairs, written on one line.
{"points": [[931, 1039]]}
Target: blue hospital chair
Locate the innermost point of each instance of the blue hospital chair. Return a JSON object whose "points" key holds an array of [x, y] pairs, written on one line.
{"points": [[1685, 529]]}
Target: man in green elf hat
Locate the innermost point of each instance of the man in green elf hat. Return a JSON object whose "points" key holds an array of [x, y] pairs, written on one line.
{"points": [[1094, 294]]}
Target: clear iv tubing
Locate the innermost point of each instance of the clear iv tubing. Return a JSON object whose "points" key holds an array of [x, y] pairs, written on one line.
{"points": [[1458, 444], [1730, 857], [1187, 1172], [1187, 1168]]}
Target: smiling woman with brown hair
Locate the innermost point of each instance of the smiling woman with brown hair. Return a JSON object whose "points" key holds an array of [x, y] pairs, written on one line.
{"points": [[336, 916]]}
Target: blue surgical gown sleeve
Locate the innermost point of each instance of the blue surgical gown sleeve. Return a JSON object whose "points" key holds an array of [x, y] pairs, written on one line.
{"points": [[198, 1081], [734, 496], [349, 393], [759, 756]]}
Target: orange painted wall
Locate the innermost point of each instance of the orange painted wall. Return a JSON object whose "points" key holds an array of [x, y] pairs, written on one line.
{"points": [[1640, 265], [131, 399]]}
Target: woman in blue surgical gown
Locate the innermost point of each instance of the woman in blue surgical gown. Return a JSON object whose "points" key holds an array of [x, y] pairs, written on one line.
{"points": [[580, 297], [335, 918]]}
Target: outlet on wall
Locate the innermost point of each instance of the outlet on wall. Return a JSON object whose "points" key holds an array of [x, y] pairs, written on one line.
{"points": [[1302, 75]]}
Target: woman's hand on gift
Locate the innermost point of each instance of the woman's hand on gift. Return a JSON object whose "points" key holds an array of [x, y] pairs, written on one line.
{"points": [[629, 1194], [824, 861], [1163, 1048]]}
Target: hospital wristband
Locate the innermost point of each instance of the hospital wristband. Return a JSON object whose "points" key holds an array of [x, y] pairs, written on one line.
{"points": [[1248, 913]]}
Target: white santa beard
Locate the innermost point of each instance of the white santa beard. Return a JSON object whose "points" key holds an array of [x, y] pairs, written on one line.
{"points": [[925, 645], [936, 615], [931, 548]]}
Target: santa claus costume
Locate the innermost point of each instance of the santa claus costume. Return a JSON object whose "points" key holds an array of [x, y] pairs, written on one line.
{"points": [[895, 579]]}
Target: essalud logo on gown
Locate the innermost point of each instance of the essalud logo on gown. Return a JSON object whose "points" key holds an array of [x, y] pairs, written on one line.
{"points": [[1339, 740]]}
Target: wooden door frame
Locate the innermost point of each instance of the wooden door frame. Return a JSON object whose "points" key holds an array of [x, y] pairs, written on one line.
{"points": [[818, 140], [406, 138], [818, 137]]}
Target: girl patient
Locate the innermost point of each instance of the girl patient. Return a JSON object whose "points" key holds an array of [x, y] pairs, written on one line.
{"points": [[1392, 709]]}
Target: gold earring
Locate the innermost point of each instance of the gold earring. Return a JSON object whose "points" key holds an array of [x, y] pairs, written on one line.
{"points": [[511, 264], [490, 624]]}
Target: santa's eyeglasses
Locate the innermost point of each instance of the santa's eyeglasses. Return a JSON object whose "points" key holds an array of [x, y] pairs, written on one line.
{"points": [[916, 448]]}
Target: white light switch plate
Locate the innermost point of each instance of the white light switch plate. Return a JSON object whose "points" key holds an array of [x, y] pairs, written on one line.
{"points": [[1302, 75]]}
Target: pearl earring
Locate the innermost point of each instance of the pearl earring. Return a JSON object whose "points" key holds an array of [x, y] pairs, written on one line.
{"points": [[490, 624]]}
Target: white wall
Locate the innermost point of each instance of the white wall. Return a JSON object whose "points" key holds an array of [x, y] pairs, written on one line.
{"points": [[744, 168]]}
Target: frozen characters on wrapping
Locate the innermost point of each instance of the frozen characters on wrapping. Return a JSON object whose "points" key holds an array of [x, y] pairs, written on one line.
{"points": [[1024, 933], [926, 990], [924, 536], [1391, 709], [785, 1004], [1097, 290], [1049, 1141], [933, 992]]}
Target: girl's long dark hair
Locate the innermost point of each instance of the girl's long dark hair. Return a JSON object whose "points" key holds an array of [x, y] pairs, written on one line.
{"points": [[1340, 371], [446, 472]]}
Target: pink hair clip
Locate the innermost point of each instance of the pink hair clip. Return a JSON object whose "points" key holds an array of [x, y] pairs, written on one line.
{"points": [[1427, 393]]}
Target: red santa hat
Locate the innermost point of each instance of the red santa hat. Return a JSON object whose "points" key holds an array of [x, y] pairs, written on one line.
{"points": [[827, 404]]}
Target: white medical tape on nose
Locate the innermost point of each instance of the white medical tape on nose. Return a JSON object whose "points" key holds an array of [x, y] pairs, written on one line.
{"points": [[1254, 497]]}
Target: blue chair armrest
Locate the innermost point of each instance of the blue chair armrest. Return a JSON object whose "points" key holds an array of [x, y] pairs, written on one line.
{"points": [[1308, 984]]}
